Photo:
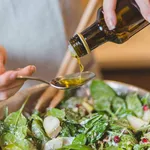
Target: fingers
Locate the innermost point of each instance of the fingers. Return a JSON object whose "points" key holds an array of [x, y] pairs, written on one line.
{"points": [[27, 71], [8, 83], [7, 78], [109, 13], [144, 8], [2, 59]]}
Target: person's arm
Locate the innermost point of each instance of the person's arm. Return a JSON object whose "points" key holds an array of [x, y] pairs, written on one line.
{"points": [[109, 7], [8, 83]]}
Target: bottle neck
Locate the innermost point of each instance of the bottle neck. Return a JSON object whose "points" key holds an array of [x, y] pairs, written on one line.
{"points": [[88, 40]]}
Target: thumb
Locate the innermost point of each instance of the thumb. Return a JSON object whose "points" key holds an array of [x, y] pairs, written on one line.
{"points": [[2, 59]]}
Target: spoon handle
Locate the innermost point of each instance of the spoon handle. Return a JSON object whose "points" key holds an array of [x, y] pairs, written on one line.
{"points": [[32, 78]]}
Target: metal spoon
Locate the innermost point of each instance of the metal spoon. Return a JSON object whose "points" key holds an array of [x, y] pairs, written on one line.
{"points": [[70, 81]]}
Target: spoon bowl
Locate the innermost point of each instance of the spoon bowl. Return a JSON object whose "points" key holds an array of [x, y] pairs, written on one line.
{"points": [[70, 81]]}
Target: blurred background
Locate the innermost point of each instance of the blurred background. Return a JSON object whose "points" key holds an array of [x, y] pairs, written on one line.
{"points": [[128, 62]]}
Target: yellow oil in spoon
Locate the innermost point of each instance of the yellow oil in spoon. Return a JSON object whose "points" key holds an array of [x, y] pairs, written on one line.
{"points": [[78, 80]]}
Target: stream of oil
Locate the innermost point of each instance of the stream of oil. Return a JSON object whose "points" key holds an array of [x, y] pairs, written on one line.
{"points": [[74, 81]]}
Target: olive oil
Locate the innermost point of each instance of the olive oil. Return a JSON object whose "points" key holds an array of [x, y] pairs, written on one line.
{"points": [[77, 80], [80, 64], [72, 82], [129, 22]]}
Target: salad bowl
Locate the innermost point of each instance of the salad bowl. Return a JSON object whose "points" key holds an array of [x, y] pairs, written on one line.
{"points": [[101, 115], [14, 103]]}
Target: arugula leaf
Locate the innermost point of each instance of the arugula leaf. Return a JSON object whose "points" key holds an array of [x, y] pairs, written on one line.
{"points": [[76, 147], [102, 95], [113, 148], [127, 141], [134, 104], [6, 112], [95, 128], [79, 140], [70, 129], [120, 124], [71, 116], [2, 127], [141, 147], [60, 114]]}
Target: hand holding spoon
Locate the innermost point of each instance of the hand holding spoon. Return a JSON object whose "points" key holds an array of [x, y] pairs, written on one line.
{"points": [[70, 81]]}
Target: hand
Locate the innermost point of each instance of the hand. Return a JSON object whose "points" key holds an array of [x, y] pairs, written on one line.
{"points": [[109, 7], [8, 83]]}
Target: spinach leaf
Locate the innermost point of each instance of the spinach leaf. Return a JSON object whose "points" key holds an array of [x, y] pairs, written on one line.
{"points": [[80, 140], [16, 119], [16, 128], [12, 147], [7, 138], [102, 95], [125, 112], [37, 129], [118, 104], [76, 147], [146, 100], [20, 132], [60, 114], [25, 145], [20, 145], [99, 88], [134, 104]]}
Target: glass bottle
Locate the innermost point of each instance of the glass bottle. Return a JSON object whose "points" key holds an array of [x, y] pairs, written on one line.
{"points": [[129, 22]]}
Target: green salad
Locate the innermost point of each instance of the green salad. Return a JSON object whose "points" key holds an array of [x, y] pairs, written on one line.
{"points": [[99, 120]]}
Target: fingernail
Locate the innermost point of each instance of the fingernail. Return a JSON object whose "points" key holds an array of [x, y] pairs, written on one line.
{"points": [[110, 24], [32, 69], [13, 76]]}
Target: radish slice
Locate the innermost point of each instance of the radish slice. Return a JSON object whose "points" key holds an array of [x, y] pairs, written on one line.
{"points": [[136, 123], [146, 116], [54, 144], [52, 126]]}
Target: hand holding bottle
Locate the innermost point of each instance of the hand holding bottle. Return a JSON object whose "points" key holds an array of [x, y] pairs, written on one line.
{"points": [[109, 7], [8, 83]]}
